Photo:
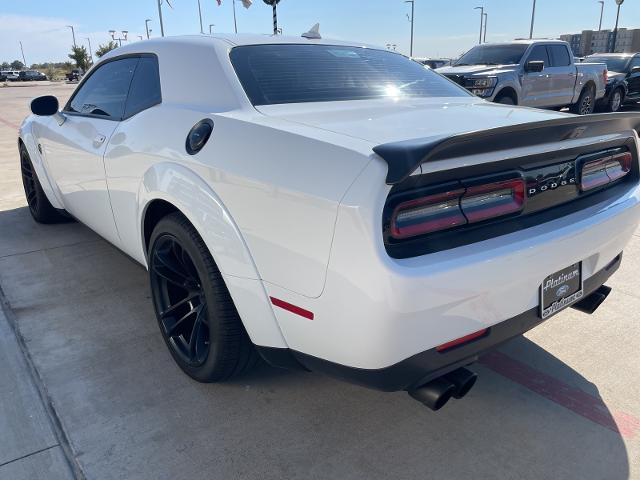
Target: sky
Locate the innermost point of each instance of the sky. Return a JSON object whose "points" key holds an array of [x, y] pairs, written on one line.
{"points": [[443, 28]]}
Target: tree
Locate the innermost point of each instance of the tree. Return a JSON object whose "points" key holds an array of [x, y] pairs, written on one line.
{"points": [[80, 56], [17, 65], [106, 48], [5, 66]]}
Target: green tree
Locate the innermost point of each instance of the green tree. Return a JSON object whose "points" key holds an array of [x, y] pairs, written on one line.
{"points": [[106, 48], [17, 65], [5, 66], [80, 56]]}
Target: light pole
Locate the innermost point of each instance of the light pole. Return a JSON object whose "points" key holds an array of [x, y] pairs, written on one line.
{"points": [[119, 39], [235, 23], [24, 60], [73, 33], [146, 26], [481, 21], [484, 37], [200, 15], [601, 2], [615, 30], [90, 52], [413, 5], [160, 16], [533, 17], [211, 25]]}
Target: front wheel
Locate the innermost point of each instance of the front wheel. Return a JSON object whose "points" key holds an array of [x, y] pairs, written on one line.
{"points": [[586, 102], [615, 100], [197, 317]]}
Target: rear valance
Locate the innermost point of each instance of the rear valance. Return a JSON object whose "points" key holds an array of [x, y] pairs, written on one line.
{"points": [[404, 157]]}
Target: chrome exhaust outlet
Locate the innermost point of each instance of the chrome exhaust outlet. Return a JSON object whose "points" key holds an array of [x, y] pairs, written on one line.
{"points": [[434, 394], [591, 303], [463, 380]]}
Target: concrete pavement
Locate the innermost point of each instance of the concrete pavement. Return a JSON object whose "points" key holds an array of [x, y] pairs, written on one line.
{"points": [[561, 402]]}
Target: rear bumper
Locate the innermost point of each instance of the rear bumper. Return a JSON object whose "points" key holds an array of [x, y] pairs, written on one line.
{"points": [[430, 364]]}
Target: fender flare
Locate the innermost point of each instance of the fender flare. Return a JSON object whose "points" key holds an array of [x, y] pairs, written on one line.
{"points": [[193, 197]]}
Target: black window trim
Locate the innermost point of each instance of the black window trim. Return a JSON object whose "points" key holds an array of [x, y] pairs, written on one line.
{"points": [[551, 56], [95, 69]]}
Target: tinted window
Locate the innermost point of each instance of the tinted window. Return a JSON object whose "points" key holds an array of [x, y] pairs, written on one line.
{"points": [[273, 74], [614, 64], [493, 55], [539, 54], [145, 87], [104, 93], [634, 63], [559, 56]]}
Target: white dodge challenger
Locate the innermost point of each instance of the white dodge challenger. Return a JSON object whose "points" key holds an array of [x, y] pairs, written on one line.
{"points": [[333, 207]]}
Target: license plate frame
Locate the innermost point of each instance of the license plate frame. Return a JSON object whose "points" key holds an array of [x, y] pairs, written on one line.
{"points": [[561, 290]]}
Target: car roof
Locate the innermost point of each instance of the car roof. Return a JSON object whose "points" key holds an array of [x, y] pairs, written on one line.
{"points": [[621, 55], [527, 42]]}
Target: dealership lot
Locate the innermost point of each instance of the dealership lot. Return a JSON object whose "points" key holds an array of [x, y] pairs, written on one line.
{"points": [[89, 389]]}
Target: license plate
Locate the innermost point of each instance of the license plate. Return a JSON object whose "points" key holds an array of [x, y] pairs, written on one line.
{"points": [[560, 290]]}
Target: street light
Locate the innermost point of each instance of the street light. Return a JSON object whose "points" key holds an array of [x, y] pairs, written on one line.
{"points": [[601, 2], [119, 39], [486, 16], [481, 21], [146, 26], [73, 33], [211, 25], [615, 30], [90, 52], [413, 5], [533, 17], [24, 60], [200, 15]]}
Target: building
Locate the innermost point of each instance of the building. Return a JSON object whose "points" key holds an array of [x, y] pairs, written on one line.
{"points": [[590, 41]]}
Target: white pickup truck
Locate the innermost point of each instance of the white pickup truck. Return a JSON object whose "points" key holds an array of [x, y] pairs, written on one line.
{"points": [[534, 73]]}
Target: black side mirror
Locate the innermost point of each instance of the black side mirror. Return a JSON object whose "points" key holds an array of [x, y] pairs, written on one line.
{"points": [[45, 106], [534, 66], [635, 69]]}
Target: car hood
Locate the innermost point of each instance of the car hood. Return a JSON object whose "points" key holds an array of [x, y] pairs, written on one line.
{"points": [[474, 69], [386, 120]]}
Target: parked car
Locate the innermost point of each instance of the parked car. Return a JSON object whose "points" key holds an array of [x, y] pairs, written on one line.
{"points": [[623, 85], [385, 231], [31, 76], [534, 73], [75, 75], [433, 62], [11, 75], [3, 77]]}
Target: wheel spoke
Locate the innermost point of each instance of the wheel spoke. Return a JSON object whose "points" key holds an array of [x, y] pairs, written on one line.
{"points": [[172, 330], [170, 270], [193, 339], [172, 308]]}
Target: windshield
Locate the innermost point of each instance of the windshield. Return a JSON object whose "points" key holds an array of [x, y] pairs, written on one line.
{"points": [[276, 74], [493, 55], [614, 64]]}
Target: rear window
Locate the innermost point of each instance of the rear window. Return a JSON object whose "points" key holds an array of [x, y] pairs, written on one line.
{"points": [[275, 74]]}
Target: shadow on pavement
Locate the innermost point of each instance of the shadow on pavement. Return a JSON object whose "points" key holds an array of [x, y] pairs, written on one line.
{"points": [[85, 313]]}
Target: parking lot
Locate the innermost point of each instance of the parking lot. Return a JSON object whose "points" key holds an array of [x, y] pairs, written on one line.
{"points": [[89, 390]]}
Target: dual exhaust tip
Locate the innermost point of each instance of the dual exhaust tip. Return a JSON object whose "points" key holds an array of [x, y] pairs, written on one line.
{"points": [[438, 392]]}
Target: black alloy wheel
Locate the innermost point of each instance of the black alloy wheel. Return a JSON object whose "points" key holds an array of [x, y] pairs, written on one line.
{"points": [[195, 312]]}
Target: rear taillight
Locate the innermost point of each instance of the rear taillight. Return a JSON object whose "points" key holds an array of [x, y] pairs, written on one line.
{"points": [[427, 215], [600, 172], [450, 209], [493, 200], [606, 76]]}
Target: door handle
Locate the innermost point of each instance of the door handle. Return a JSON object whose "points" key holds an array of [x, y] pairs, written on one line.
{"points": [[99, 140]]}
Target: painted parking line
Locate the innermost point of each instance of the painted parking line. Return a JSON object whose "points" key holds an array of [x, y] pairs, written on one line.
{"points": [[572, 398], [9, 124]]}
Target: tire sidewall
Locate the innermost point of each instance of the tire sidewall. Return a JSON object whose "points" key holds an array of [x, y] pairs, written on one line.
{"points": [[168, 226], [617, 92]]}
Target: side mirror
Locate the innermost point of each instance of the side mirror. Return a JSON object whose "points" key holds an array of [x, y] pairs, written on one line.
{"points": [[45, 106], [635, 69], [534, 66]]}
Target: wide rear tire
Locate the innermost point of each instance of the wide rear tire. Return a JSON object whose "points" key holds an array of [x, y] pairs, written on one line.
{"points": [[197, 317]]}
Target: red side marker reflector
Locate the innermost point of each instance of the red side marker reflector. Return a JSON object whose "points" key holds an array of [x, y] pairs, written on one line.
{"points": [[461, 340], [292, 308]]}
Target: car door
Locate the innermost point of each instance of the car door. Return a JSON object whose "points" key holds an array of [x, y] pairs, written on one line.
{"points": [[74, 150], [534, 84], [633, 80], [562, 75]]}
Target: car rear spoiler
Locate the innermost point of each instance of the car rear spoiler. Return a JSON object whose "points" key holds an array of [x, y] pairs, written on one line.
{"points": [[405, 156]]}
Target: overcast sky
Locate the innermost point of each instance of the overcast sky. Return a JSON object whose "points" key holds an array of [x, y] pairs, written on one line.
{"points": [[442, 27]]}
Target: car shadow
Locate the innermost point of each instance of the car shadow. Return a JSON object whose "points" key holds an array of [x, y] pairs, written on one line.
{"points": [[85, 314]]}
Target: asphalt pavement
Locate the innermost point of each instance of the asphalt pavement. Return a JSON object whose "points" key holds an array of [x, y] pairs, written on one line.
{"points": [[89, 390]]}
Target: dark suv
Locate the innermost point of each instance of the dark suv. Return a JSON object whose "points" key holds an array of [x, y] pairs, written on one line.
{"points": [[28, 75], [623, 85]]}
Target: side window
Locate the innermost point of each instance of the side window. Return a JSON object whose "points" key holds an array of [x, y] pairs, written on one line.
{"points": [[105, 92], [539, 53], [145, 87], [559, 56], [634, 63]]}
